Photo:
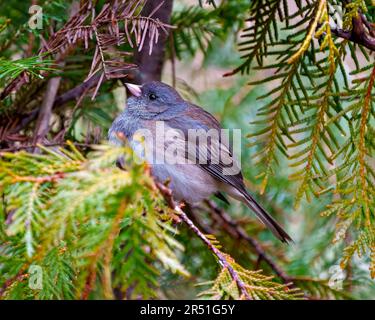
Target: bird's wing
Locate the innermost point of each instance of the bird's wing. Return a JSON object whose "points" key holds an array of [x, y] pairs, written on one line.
{"points": [[196, 117], [220, 161]]}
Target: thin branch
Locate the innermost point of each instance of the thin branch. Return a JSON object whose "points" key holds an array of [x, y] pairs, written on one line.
{"points": [[54, 144], [231, 226], [45, 112], [77, 91], [144, 29], [219, 255], [73, 94], [39, 180], [20, 276], [358, 34]]}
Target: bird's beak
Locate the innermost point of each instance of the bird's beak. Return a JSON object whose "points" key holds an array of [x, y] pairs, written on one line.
{"points": [[134, 89]]}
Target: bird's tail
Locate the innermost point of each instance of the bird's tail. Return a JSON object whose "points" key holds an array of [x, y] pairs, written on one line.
{"points": [[266, 218]]}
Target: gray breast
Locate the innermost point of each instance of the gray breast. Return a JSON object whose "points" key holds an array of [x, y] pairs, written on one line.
{"points": [[188, 182]]}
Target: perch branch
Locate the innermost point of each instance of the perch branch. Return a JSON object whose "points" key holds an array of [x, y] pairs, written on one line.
{"points": [[233, 228], [219, 255]]}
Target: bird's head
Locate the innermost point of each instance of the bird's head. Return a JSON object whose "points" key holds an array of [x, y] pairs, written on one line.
{"points": [[154, 100]]}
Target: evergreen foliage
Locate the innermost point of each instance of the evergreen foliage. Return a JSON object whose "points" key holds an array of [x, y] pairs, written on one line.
{"points": [[305, 82], [90, 225], [312, 103]]}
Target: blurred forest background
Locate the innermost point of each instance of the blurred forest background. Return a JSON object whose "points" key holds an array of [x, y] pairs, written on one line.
{"points": [[297, 77]]}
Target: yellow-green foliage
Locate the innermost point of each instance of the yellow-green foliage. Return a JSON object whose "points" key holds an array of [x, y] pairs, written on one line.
{"points": [[92, 228], [100, 232], [257, 285], [318, 114], [98, 215]]}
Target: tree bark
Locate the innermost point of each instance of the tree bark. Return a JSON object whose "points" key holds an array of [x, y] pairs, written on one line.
{"points": [[45, 111], [150, 66]]}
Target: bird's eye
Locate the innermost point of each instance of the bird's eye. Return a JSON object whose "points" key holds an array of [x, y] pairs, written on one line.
{"points": [[152, 96]]}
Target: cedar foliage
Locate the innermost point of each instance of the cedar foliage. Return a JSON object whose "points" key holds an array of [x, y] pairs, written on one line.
{"points": [[100, 232], [313, 102]]}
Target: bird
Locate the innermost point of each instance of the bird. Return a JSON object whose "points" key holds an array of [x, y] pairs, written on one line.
{"points": [[195, 170]]}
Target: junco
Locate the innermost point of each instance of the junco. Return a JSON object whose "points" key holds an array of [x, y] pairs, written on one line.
{"points": [[195, 168]]}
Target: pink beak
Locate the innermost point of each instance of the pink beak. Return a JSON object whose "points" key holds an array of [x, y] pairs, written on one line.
{"points": [[134, 89]]}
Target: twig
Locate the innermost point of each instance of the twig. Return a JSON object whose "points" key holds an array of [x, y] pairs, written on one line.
{"points": [[61, 100], [77, 91], [18, 277], [90, 281], [368, 24], [45, 112], [220, 256], [358, 33], [54, 144], [39, 180], [240, 233], [53, 85]]}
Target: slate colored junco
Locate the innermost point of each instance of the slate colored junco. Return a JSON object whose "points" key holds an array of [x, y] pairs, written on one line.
{"points": [[206, 170]]}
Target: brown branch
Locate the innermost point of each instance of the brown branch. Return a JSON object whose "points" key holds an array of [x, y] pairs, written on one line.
{"points": [[15, 84], [20, 276], [45, 112], [166, 192], [358, 34], [40, 180], [173, 60], [77, 91], [53, 144], [233, 228], [144, 29], [72, 94]]}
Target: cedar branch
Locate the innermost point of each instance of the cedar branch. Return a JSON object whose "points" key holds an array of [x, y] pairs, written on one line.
{"points": [[233, 228], [219, 255]]}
